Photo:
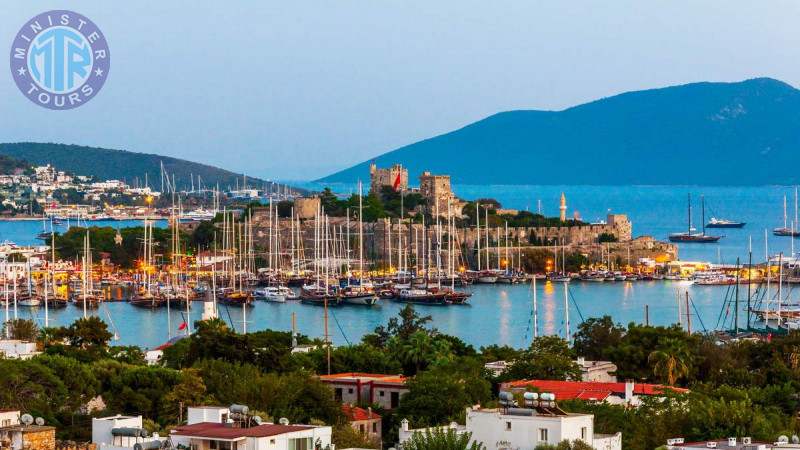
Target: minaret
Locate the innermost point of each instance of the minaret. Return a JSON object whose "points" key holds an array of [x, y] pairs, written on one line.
{"points": [[562, 207]]}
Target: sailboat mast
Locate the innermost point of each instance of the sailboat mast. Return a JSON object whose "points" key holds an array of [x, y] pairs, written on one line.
{"points": [[703, 209], [535, 321], [784, 212], [486, 225], [478, 230], [566, 313], [360, 239]]}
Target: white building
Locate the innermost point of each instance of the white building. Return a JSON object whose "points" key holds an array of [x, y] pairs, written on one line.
{"points": [[45, 173], [109, 184], [120, 432], [497, 367], [207, 258], [602, 371], [9, 417], [215, 428], [732, 443], [16, 349], [526, 428]]}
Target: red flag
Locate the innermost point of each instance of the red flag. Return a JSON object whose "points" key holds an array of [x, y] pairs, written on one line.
{"points": [[769, 336], [183, 325], [397, 181]]}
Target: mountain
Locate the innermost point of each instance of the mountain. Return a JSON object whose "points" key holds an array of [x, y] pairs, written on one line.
{"points": [[745, 133], [110, 164]]}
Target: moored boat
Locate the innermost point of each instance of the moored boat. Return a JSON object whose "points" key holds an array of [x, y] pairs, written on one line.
{"points": [[421, 296]]}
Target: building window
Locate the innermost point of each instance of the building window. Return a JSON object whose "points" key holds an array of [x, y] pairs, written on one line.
{"points": [[350, 391], [361, 428], [543, 435], [338, 394], [300, 444], [374, 427], [508, 426], [272, 442], [395, 400], [583, 433], [213, 445], [380, 393]]}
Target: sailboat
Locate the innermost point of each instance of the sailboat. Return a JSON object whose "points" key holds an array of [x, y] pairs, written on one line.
{"points": [[87, 297], [146, 298], [785, 230], [697, 237], [360, 294], [235, 294], [453, 296]]}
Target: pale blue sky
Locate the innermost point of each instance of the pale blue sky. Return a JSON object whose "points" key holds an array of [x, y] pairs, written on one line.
{"points": [[297, 90]]}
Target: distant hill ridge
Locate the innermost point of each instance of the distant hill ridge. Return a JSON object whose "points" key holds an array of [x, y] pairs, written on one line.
{"points": [[744, 133], [110, 164]]}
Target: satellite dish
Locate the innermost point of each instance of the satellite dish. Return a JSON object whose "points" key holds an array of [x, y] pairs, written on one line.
{"points": [[795, 439], [783, 438], [284, 421], [26, 419], [39, 421]]}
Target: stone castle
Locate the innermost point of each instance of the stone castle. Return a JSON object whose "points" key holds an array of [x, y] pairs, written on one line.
{"points": [[573, 233]]}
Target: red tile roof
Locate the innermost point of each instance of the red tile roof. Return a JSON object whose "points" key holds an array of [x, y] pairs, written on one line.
{"points": [[355, 413], [591, 389], [214, 430], [355, 375]]}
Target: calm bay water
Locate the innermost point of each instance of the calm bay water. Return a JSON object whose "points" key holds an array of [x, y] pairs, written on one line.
{"points": [[502, 314], [496, 314]]}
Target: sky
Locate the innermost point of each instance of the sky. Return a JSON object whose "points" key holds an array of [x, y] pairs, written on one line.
{"points": [[298, 90]]}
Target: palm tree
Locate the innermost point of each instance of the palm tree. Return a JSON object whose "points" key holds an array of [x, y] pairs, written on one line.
{"points": [[418, 350], [438, 439], [47, 336], [671, 359]]}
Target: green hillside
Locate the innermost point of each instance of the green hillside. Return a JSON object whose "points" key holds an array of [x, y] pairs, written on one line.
{"points": [[9, 165], [124, 165]]}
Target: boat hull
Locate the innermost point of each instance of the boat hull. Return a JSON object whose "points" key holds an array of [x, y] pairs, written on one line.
{"points": [[360, 299], [486, 280], [698, 239], [726, 225]]}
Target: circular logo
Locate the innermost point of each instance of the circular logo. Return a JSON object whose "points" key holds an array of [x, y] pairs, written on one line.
{"points": [[60, 59]]}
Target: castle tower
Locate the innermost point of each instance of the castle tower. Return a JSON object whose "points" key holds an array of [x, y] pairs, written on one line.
{"points": [[562, 208]]}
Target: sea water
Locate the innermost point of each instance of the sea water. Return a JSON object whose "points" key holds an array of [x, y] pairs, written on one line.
{"points": [[503, 314]]}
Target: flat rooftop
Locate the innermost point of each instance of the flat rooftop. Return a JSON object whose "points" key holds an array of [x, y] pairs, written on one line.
{"points": [[213, 430]]}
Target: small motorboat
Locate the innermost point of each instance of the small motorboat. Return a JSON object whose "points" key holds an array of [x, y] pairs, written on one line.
{"points": [[358, 295], [723, 223], [278, 294]]}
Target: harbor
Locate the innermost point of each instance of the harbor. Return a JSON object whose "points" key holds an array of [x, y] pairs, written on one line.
{"points": [[644, 280]]}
